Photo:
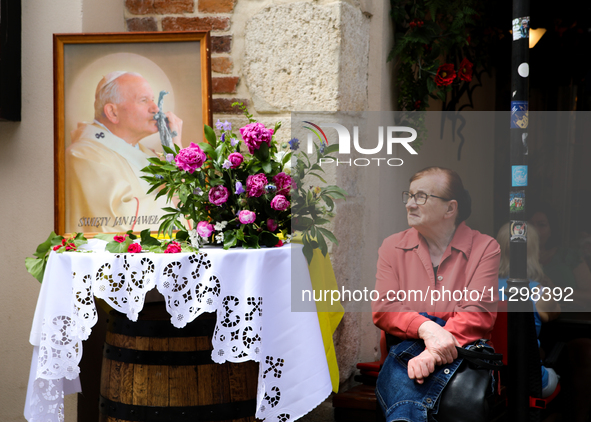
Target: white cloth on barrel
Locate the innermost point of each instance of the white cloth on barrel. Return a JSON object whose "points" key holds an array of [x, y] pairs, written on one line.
{"points": [[250, 290]]}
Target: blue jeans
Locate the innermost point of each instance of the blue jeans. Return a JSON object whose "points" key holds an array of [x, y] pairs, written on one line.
{"points": [[403, 399]]}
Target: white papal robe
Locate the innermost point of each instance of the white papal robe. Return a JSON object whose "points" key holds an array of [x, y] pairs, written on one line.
{"points": [[104, 192]]}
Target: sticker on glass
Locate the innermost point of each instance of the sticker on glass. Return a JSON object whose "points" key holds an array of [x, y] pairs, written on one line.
{"points": [[523, 70], [518, 231], [520, 28], [517, 201], [519, 114], [518, 175]]}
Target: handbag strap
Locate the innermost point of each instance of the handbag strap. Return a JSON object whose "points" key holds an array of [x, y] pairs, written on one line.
{"points": [[482, 359]]}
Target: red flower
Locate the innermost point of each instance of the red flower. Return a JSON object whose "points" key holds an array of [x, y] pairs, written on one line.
{"points": [[445, 74], [417, 104], [70, 247], [56, 247], [120, 239], [134, 248], [173, 247], [280, 243], [465, 71]]}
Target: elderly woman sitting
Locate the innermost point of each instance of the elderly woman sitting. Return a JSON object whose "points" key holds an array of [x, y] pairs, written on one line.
{"points": [[427, 277]]}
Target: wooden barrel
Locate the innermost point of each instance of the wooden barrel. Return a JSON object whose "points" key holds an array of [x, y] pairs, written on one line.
{"points": [[153, 371]]}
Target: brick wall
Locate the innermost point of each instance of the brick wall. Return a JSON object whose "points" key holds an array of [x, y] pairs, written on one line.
{"points": [[191, 15]]}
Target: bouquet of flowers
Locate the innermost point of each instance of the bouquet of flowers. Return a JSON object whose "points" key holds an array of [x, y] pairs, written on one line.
{"points": [[232, 197]]}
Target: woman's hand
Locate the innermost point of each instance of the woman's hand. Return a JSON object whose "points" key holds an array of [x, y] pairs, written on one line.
{"points": [[439, 342], [421, 367]]}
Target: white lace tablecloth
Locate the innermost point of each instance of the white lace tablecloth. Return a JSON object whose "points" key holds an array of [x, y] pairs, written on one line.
{"points": [[249, 289]]}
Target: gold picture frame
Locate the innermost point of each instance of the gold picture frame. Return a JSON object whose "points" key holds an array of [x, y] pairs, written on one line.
{"points": [[93, 177]]}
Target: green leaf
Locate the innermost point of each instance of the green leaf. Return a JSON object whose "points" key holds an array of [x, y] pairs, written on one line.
{"points": [[441, 95], [329, 235], [154, 160], [184, 193], [230, 239], [146, 239], [105, 236], [308, 252], [268, 239], [116, 247], [300, 223], [44, 247], [267, 167], [207, 149], [218, 153], [216, 182], [286, 158], [210, 136], [251, 241], [262, 153], [182, 235], [168, 150], [36, 267], [318, 176], [322, 244], [331, 148], [240, 233], [277, 127]]}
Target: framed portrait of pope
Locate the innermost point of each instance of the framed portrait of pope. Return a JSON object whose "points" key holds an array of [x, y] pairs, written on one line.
{"points": [[119, 97]]}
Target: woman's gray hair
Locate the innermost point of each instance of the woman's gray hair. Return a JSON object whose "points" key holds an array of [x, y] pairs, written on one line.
{"points": [[108, 92]]}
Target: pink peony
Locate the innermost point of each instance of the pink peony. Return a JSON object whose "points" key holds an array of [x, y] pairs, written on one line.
{"points": [[236, 159], [246, 217], [120, 239], [255, 185], [173, 247], [279, 203], [283, 183], [204, 229], [190, 158], [218, 195], [271, 224], [254, 134], [134, 248]]}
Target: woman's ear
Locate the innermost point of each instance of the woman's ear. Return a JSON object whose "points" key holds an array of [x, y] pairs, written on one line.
{"points": [[452, 208], [111, 113]]}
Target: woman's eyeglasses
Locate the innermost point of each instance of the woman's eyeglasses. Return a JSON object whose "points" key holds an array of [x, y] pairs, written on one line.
{"points": [[419, 197]]}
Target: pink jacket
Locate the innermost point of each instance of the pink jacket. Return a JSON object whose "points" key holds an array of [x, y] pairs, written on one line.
{"points": [[469, 265]]}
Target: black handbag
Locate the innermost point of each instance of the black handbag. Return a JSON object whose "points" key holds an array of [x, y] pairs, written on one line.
{"points": [[466, 396]]}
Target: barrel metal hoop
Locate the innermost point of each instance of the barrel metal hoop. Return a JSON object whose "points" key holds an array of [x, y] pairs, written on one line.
{"points": [[211, 412], [151, 357], [119, 324]]}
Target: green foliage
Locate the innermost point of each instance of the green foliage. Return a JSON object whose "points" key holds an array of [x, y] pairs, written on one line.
{"points": [[190, 193], [36, 266], [313, 208], [430, 33]]}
